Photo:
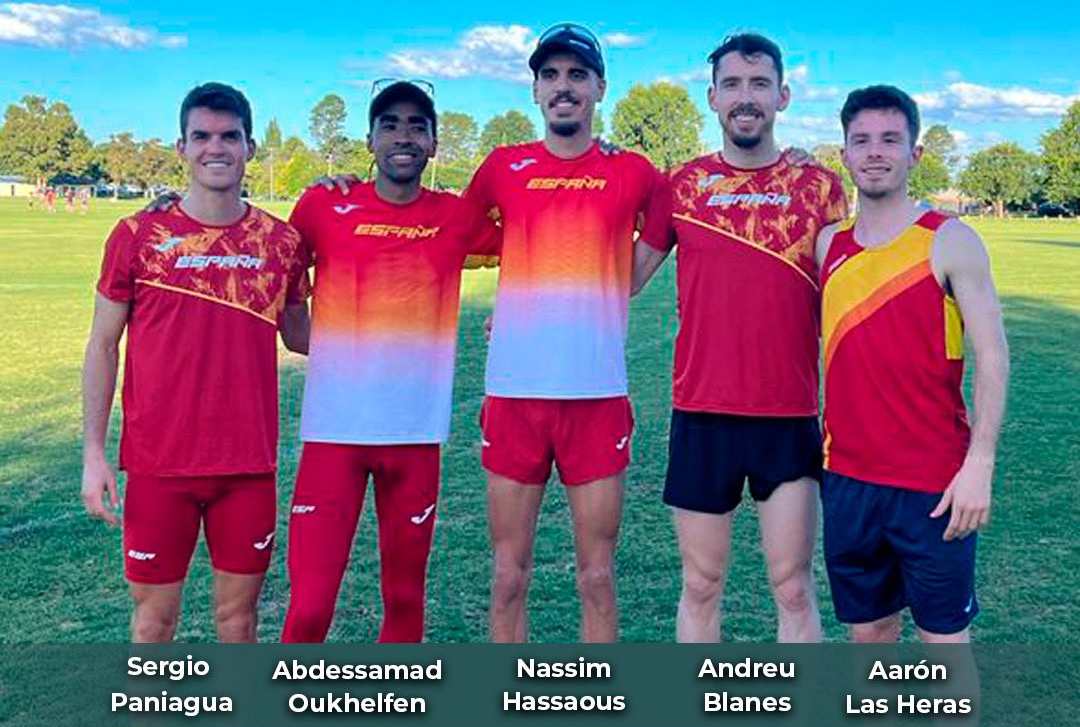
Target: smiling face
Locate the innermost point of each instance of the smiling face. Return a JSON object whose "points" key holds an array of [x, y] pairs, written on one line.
{"points": [[402, 141], [746, 94], [879, 152], [215, 149], [567, 92]]}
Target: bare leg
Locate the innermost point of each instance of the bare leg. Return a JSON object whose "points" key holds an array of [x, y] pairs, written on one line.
{"points": [[513, 509], [705, 546], [596, 508], [883, 631], [236, 606], [157, 611], [788, 531]]}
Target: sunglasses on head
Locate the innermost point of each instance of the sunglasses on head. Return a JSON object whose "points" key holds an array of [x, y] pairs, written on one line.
{"points": [[382, 83], [578, 31]]}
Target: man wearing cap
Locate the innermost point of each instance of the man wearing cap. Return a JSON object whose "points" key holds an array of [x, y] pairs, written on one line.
{"points": [[556, 372], [388, 257]]}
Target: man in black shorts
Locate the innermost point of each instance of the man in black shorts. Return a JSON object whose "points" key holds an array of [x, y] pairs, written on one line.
{"points": [[746, 356]]}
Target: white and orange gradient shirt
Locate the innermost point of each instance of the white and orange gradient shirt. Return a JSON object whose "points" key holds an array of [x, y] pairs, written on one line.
{"points": [[384, 312], [561, 306]]}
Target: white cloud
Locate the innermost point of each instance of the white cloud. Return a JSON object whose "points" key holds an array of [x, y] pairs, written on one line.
{"points": [[624, 40], [500, 52], [953, 75], [799, 78], [975, 103], [487, 51], [819, 124], [66, 26], [698, 75]]}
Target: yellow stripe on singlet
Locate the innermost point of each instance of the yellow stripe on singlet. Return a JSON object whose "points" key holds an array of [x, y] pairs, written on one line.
{"points": [[871, 279]]}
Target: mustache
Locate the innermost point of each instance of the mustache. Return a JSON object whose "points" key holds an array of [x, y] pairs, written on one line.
{"points": [[745, 108], [563, 96]]}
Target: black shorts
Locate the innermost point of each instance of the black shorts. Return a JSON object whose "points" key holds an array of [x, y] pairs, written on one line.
{"points": [[710, 456], [884, 552]]}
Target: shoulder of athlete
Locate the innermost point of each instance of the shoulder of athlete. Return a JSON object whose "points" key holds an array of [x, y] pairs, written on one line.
{"points": [[824, 241], [511, 150], [957, 247]]}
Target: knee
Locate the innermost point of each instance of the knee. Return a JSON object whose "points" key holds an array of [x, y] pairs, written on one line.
{"points": [[153, 625], [596, 584], [510, 584], [309, 617], [886, 630], [236, 622], [702, 588], [792, 589]]}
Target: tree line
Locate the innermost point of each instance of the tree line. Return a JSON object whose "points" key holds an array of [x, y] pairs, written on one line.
{"points": [[42, 140]]}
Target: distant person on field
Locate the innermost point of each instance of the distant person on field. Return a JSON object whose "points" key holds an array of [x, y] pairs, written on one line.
{"points": [[907, 479], [202, 289]]}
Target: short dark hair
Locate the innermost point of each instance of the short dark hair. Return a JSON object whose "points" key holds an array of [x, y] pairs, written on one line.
{"points": [[748, 44], [216, 97], [881, 97]]}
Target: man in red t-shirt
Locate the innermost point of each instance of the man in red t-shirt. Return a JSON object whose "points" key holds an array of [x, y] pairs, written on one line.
{"points": [[556, 371], [746, 356], [202, 289], [388, 257]]}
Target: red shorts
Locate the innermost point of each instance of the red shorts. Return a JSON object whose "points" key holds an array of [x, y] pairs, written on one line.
{"points": [[162, 517], [587, 439]]}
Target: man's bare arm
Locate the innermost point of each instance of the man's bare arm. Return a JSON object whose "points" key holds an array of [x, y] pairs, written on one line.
{"points": [[824, 240], [960, 259], [99, 383], [296, 327], [647, 260]]}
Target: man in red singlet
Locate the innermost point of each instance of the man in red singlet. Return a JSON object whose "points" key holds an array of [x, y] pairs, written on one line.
{"points": [[907, 480]]}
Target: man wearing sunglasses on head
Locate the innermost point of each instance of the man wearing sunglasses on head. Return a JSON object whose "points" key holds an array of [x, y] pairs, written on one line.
{"points": [[388, 257], [556, 371]]}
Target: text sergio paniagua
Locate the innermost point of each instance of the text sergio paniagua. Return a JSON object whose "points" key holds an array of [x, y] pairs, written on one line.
{"points": [[577, 669]]}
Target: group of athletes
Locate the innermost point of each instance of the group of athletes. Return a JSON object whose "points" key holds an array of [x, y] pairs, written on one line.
{"points": [[769, 264], [71, 196]]}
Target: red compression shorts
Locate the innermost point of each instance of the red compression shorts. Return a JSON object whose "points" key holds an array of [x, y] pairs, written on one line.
{"points": [[587, 439], [330, 487], [162, 517]]}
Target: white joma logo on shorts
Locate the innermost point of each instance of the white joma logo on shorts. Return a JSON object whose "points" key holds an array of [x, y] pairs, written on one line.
{"points": [[264, 543], [419, 519], [302, 509], [139, 555], [621, 444]]}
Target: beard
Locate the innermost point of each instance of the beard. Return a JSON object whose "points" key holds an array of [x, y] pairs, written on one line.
{"points": [[745, 142], [565, 128]]}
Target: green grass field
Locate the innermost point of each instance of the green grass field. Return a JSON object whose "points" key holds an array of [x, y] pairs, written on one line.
{"points": [[63, 573]]}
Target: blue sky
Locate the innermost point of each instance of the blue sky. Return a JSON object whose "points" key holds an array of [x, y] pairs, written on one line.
{"points": [[989, 74]]}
